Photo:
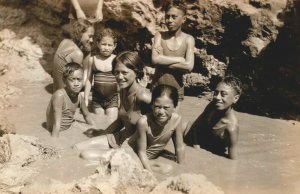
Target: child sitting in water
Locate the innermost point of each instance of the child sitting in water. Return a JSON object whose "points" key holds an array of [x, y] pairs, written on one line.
{"points": [[217, 127], [99, 69], [64, 102], [155, 129]]}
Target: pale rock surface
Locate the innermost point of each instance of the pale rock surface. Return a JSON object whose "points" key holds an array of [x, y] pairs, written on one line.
{"points": [[187, 183]]}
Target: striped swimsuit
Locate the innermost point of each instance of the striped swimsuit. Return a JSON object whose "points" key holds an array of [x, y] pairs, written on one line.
{"points": [[105, 90]]}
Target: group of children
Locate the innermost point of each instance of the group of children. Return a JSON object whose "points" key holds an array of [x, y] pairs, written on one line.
{"points": [[145, 119]]}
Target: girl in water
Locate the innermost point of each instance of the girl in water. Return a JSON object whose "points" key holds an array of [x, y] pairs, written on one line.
{"points": [[155, 129], [128, 70], [99, 69]]}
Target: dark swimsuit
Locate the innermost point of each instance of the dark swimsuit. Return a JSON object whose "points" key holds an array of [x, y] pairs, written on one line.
{"points": [[169, 76], [105, 90], [129, 118]]}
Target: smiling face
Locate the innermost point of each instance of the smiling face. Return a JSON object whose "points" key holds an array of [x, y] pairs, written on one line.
{"points": [[74, 82], [87, 39], [174, 19], [163, 108], [224, 96], [124, 76], [106, 46]]}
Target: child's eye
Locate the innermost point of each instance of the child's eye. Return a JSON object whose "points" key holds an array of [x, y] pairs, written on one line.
{"points": [[223, 94]]}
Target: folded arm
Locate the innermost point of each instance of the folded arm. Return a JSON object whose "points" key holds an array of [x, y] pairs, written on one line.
{"points": [[157, 55]]}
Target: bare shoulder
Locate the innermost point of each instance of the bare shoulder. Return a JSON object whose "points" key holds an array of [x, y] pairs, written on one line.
{"points": [[144, 95], [58, 94], [58, 98], [232, 123], [176, 116], [142, 123], [190, 39]]}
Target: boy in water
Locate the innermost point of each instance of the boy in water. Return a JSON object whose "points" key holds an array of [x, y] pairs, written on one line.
{"points": [[173, 51], [64, 102], [217, 127]]}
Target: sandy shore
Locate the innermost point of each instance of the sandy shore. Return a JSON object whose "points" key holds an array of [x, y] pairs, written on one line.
{"points": [[269, 149]]}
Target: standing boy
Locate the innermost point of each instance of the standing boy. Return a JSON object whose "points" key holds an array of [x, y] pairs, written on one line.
{"points": [[173, 51]]}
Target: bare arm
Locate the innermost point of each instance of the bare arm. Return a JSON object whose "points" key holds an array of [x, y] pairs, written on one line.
{"points": [[117, 125], [233, 139], [141, 141], [178, 142], [99, 12], [77, 57], [188, 63], [57, 103], [79, 13], [194, 131], [157, 55], [86, 114], [88, 85]]}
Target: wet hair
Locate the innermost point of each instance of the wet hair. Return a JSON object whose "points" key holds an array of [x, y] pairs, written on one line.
{"points": [[70, 68], [178, 4], [78, 28], [105, 32], [131, 60], [234, 83], [162, 90]]}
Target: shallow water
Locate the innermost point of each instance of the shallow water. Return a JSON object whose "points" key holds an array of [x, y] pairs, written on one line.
{"points": [[268, 155]]}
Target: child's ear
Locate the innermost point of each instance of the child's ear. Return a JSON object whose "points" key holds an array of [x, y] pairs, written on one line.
{"points": [[236, 98], [184, 19]]}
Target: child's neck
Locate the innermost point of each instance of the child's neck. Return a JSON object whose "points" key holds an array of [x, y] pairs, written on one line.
{"points": [[103, 57], [226, 112], [175, 33], [132, 88], [73, 96]]}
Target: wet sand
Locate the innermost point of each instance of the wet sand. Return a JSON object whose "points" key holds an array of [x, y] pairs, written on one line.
{"points": [[268, 155]]}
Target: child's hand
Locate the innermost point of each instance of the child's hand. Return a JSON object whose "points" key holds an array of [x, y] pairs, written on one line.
{"points": [[90, 120], [99, 15], [80, 14]]}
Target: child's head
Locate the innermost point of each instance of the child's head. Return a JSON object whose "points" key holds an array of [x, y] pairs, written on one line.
{"points": [[127, 67], [106, 41], [82, 34], [227, 92], [73, 77], [164, 101], [175, 15]]}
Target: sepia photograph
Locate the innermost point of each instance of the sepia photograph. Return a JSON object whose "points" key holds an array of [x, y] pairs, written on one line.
{"points": [[150, 96]]}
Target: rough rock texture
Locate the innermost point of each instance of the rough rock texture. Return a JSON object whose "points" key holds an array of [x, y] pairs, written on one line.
{"points": [[20, 152], [187, 183], [119, 172], [5, 150], [6, 127]]}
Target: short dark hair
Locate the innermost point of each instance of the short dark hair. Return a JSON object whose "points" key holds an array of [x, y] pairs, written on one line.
{"points": [[177, 4], [79, 27], [161, 90], [233, 82], [131, 60], [70, 68]]}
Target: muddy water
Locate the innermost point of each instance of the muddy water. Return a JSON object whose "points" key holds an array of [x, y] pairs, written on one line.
{"points": [[269, 149]]}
